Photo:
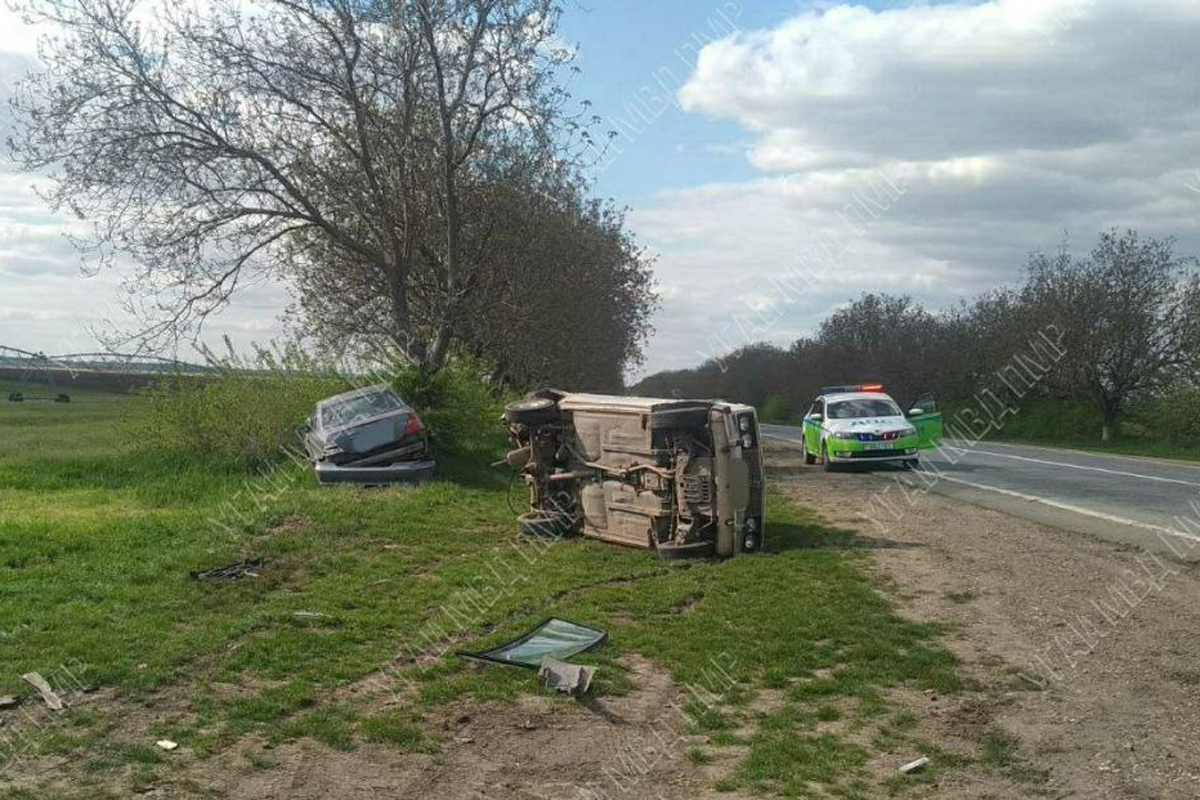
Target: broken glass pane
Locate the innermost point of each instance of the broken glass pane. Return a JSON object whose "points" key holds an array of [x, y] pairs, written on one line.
{"points": [[554, 637]]}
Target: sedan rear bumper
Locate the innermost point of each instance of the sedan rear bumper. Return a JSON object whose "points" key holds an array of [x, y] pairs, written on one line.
{"points": [[375, 475]]}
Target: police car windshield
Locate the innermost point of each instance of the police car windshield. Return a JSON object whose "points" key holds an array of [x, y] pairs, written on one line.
{"points": [[862, 407]]}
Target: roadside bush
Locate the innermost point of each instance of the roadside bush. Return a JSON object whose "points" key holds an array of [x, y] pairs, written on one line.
{"points": [[777, 410], [247, 412], [460, 407], [1039, 419], [248, 418], [1175, 417]]}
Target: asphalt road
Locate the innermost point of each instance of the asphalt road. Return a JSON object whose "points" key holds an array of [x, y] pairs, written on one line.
{"points": [[1150, 503]]}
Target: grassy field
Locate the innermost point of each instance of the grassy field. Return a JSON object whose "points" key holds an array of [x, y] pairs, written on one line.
{"points": [[98, 537]]}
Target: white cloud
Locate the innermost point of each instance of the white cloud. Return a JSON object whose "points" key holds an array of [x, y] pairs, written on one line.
{"points": [[1005, 122]]}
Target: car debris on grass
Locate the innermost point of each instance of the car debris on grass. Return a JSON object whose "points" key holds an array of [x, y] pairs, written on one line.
{"points": [[232, 572], [546, 648], [558, 638], [35, 680], [563, 676]]}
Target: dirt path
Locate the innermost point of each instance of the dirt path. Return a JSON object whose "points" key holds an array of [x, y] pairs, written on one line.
{"points": [[1087, 653], [536, 749]]}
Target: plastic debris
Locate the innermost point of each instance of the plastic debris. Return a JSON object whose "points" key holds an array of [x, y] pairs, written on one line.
{"points": [[38, 682], [915, 766], [233, 572], [166, 744], [8, 701], [571, 679]]}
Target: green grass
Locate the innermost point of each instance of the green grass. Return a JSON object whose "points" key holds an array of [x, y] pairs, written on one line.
{"points": [[97, 539]]}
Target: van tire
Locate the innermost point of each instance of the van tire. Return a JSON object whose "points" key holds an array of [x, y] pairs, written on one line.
{"points": [[532, 411]]}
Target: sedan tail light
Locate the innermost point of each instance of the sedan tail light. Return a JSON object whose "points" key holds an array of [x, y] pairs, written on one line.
{"points": [[413, 426]]}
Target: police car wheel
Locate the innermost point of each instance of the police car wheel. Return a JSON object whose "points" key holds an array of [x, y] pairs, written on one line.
{"points": [[825, 459], [809, 458]]}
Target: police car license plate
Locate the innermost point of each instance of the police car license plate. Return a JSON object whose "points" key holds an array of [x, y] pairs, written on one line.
{"points": [[877, 445]]}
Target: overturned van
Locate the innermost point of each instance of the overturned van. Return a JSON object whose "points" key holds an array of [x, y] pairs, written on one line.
{"points": [[682, 477]]}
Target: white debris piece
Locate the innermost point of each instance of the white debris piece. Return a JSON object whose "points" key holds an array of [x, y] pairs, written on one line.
{"points": [[565, 677], [915, 766], [38, 682], [166, 744]]}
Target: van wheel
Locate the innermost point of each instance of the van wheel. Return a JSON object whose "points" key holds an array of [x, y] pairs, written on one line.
{"points": [[825, 459], [532, 411], [670, 551]]}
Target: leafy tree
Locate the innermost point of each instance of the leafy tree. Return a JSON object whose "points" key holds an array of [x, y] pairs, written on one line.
{"points": [[351, 146], [1131, 316]]}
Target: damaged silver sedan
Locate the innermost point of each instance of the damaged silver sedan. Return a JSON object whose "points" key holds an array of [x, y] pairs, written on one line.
{"points": [[367, 436]]}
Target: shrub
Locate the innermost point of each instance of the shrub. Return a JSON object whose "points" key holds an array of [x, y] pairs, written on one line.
{"points": [[248, 418], [1175, 417], [1037, 419], [776, 409], [460, 407], [243, 413]]}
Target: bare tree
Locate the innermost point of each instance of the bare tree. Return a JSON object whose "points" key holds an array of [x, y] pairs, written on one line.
{"points": [[213, 142], [1131, 315]]}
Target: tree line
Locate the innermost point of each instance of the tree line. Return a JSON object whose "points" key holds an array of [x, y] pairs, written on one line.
{"points": [[1113, 328], [411, 169]]}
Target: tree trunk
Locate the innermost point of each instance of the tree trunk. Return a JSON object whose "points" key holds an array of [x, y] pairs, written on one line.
{"points": [[440, 348], [402, 334], [1110, 425]]}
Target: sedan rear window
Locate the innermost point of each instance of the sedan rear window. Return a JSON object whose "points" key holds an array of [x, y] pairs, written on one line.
{"points": [[863, 407], [363, 406]]}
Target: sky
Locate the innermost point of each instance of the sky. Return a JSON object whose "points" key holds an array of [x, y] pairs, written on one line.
{"points": [[781, 158]]}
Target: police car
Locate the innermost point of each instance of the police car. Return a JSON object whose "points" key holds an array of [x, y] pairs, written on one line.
{"points": [[861, 424]]}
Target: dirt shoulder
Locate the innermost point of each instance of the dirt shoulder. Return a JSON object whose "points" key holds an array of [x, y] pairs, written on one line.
{"points": [[1084, 651]]}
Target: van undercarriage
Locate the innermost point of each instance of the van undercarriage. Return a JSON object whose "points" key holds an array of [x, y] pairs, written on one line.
{"points": [[682, 477]]}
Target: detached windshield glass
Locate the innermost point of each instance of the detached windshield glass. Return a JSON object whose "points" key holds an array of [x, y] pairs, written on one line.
{"points": [[863, 407], [345, 412]]}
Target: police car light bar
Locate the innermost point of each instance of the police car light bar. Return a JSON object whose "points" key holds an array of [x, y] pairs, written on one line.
{"points": [[864, 387]]}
